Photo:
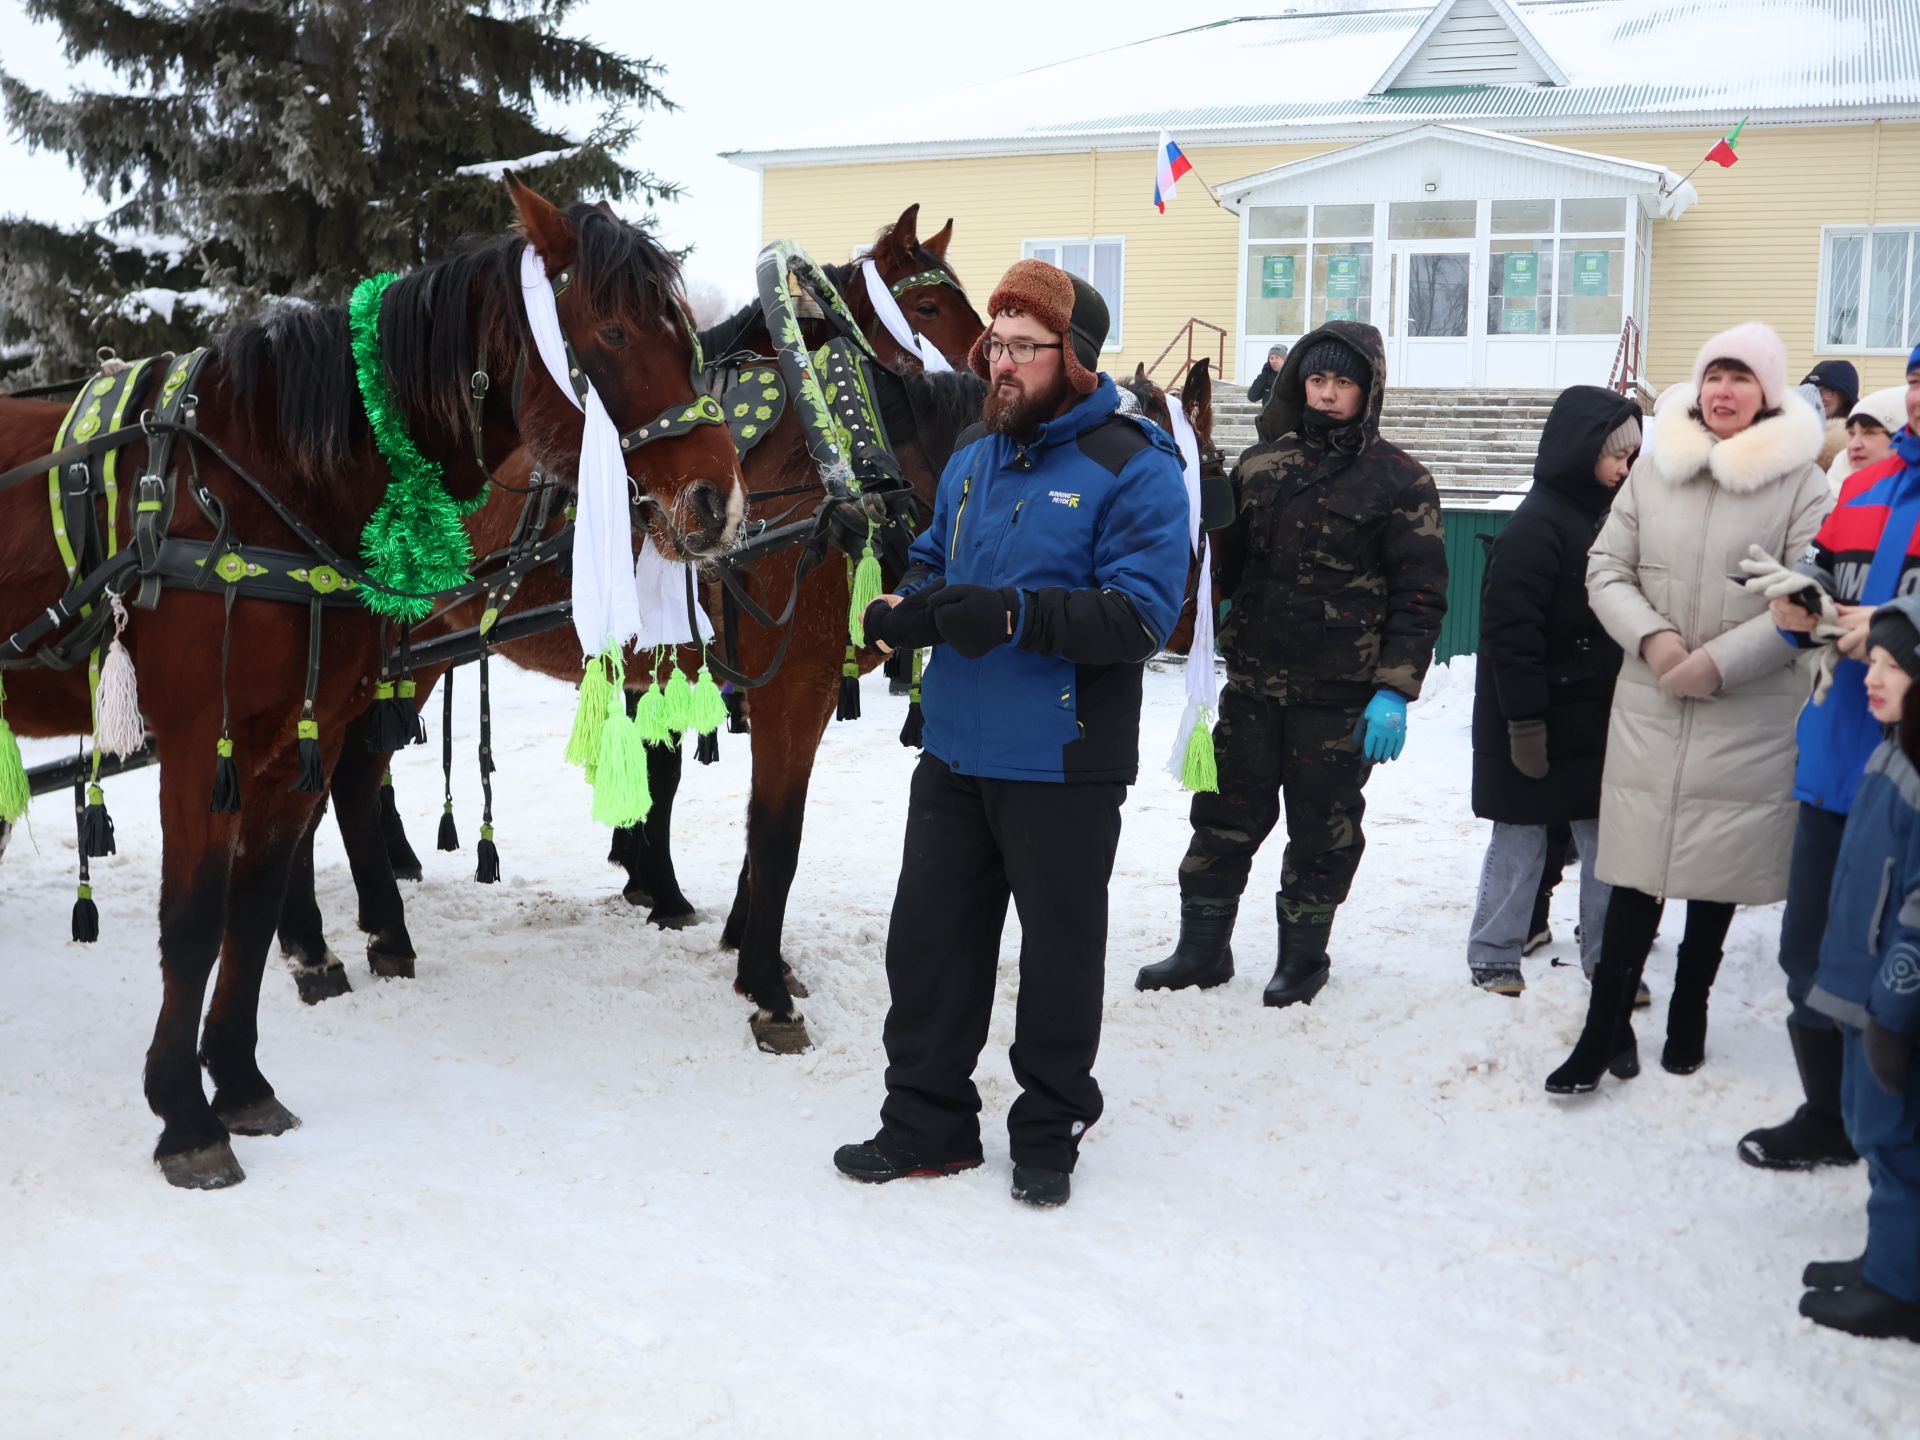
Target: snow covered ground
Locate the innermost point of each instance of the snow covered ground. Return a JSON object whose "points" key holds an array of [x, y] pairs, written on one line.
{"points": [[550, 1189]]}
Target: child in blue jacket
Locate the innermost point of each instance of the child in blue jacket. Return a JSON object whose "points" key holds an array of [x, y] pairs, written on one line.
{"points": [[1869, 982]]}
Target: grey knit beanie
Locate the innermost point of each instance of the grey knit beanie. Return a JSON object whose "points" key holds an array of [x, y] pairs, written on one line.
{"points": [[1625, 438]]}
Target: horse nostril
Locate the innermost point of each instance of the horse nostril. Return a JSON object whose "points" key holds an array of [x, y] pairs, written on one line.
{"points": [[707, 504]]}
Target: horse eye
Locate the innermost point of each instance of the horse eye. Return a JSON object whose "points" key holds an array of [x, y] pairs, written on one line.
{"points": [[927, 308], [613, 335]]}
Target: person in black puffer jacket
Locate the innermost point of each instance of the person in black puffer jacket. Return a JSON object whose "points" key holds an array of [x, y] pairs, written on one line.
{"points": [[1544, 680]]}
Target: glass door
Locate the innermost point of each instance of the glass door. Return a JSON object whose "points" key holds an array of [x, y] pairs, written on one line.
{"points": [[1431, 325]]}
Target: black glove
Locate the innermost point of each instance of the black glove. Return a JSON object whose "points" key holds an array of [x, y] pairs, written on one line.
{"points": [[1527, 743], [1889, 1056], [906, 626], [846, 526], [974, 619]]}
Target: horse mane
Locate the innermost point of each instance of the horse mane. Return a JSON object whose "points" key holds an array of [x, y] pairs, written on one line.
{"points": [[438, 325], [934, 409]]}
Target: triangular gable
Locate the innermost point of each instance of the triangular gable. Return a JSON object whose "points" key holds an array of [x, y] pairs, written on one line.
{"points": [[1470, 42]]}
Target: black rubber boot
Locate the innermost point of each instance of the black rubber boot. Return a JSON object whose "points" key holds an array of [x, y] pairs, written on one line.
{"points": [[1686, 1047], [1815, 1136], [1834, 1274], [1863, 1310], [1606, 1043], [876, 1161], [1203, 956], [1303, 965], [1041, 1188]]}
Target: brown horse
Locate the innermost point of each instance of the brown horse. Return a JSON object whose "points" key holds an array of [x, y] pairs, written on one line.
{"points": [[279, 397], [929, 294]]}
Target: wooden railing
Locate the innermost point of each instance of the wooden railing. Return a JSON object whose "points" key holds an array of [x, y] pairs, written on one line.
{"points": [[1180, 372], [1624, 377]]}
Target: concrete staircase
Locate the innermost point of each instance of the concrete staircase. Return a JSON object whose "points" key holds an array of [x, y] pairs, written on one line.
{"points": [[1477, 443]]}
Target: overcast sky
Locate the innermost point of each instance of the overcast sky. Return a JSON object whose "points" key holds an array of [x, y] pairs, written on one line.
{"points": [[737, 70]]}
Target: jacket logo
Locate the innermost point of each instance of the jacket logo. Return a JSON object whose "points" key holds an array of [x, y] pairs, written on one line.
{"points": [[1068, 498]]}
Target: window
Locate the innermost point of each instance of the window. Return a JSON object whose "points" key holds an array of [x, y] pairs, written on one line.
{"points": [[1101, 262], [1431, 220], [1520, 286], [1295, 285], [1870, 289], [1558, 274]]}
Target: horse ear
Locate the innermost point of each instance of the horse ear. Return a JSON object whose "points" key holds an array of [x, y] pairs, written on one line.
{"points": [[1140, 376], [903, 232], [1198, 390], [545, 225], [943, 237]]}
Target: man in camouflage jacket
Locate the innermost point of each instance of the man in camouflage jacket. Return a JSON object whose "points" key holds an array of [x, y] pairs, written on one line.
{"points": [[1338, 577]]}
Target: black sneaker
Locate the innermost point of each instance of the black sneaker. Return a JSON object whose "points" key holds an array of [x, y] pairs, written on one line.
{"points": [[1034, 1186], [1863, 1309], [1508, 982], [1834, 1274], [875, 1162], [1534, 941]]}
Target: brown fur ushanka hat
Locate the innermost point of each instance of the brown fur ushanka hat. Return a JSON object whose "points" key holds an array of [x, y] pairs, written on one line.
{"points": [[1065, 304]]}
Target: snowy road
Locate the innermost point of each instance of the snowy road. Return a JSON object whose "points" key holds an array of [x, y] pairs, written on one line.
{"points": [[549, 1189]]}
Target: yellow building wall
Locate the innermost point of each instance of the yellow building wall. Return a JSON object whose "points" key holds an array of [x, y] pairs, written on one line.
{"points": [[1750, 250]]}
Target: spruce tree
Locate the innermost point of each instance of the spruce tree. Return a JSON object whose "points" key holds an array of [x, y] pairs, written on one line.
{"points": [[264, 148]]}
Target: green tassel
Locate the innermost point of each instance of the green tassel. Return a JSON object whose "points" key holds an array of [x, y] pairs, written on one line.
{"points": [[15, 794], [649, 718], [583, 745], [866, 590], [1198, 771], [709, 705], [676, 702], [620, 794]]}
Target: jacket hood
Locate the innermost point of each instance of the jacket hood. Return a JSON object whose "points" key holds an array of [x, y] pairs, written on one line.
{"points": [[1582, 418], [1288, 398], [1760, 454]]}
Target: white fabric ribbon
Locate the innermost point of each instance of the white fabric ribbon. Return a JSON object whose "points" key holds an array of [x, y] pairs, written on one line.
{"points": [[1203, 692], [616, 599], [888, 309]]}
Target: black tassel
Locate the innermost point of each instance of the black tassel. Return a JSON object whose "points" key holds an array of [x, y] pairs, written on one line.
{"points": [[849, 708], [913, 727], [707, 749], [487, 870], [96, 826], [449, 837], [736, 711], [226, 781], [394, 721], [313, 777], [899, 672], [86, 917]]}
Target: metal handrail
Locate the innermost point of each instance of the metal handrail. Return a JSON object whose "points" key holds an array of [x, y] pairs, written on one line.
{"points": [[1186, 330], [1624, 377]]}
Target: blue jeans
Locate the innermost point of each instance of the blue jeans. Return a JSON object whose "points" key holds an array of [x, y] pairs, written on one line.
{"points": [[1885, 1129], [1816, 850], [1509, 885]]}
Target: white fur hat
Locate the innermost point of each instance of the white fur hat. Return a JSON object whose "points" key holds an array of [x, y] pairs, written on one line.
{"points": [[1755, 346], [1887, 408]]}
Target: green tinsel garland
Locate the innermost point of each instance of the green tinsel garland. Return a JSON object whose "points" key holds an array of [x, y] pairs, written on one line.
{"points": [[415, 541]]}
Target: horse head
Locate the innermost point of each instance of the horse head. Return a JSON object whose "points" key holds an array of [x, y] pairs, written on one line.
{"points": [[627, 328], [925, 287]]}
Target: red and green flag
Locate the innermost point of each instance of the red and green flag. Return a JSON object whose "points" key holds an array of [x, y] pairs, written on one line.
{"points": [[1722, 154]]}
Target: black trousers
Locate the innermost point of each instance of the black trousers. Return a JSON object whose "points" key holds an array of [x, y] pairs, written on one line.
{"points": [[972, 845], [1633, 919]]}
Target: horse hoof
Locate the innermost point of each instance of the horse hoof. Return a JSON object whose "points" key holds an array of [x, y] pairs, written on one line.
{"points": [[389, 967], [210, 1168], [675, 921], [321, 982], [779, 1037], [262, 1117], [408, 871], [637, 895], [796, 987]]}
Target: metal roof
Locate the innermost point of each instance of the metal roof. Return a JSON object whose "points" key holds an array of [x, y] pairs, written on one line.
{"points": [[1629, 63]]}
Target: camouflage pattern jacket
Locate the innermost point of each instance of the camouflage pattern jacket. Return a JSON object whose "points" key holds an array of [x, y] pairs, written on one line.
{"points": [[1336, 565]]}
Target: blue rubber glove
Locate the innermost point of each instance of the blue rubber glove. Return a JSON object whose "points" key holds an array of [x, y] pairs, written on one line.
{"points": [[1383, 726]]}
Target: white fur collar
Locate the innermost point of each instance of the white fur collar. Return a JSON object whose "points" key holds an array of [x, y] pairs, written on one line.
{"points": [[1760, 454]]}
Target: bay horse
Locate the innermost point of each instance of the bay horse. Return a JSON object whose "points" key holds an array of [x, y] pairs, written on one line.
{"points": [[278, 396], [929, 295]]}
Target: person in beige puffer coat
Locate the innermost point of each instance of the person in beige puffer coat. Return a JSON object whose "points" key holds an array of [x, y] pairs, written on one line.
{"points": [[1697, 798]]}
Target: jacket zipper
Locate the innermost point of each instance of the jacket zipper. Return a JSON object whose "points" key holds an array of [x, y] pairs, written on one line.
{"points": [[953, 544], [1687, 707], [1880, 906]]}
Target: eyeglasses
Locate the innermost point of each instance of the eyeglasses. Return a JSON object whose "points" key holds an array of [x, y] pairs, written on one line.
{"points": [[1020, 351]]}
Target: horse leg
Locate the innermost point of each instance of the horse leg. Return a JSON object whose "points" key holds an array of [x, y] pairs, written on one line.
{"points": [[196, 855], [654, 857], [735, 930], [356, 805], [317, 971], [242, 1098], [628, 848]]}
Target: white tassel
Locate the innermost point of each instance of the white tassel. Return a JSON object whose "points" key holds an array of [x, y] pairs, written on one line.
{"points": [[118, 727]]}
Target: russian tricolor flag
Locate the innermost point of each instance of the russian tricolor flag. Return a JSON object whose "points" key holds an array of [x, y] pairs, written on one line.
{"points": [[1172, 165]]}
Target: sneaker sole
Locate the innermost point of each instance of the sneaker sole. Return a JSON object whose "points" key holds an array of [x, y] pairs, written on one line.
{"points": [[923, 1172]]}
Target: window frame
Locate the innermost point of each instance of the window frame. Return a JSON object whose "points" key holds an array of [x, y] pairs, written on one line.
{"points": [[1116, 307], [1824, 291], [1309, 243]]}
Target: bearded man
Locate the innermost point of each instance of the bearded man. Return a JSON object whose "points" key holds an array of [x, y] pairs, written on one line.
{"points": [[1053, 567]]}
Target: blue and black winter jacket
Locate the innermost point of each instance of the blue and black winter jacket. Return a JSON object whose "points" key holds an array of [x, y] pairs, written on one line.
{"points": [[1088, 522]]}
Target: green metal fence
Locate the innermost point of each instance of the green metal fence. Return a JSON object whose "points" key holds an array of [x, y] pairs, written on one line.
{"points": [[1466, 568]]}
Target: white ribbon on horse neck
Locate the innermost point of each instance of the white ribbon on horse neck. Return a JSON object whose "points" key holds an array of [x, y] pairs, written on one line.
{"points": [[1203, 691], [888, 309], [615, 599]]}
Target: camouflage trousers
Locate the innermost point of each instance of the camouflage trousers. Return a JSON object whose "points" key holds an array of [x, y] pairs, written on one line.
{"points": [[1265, 750]]}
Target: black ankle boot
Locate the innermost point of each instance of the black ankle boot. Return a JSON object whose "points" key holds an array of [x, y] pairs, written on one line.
{"points": [[1203, 956], [1815, 1135], [1606, 1041], [1686, 1047], [1303, 965]]}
